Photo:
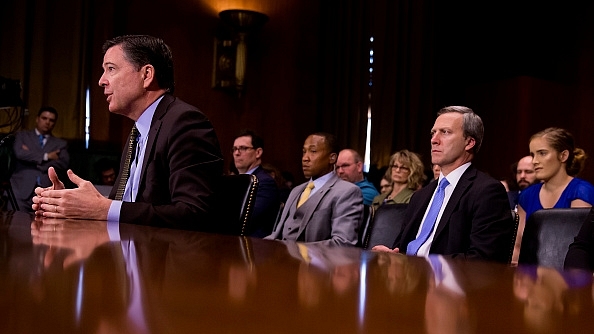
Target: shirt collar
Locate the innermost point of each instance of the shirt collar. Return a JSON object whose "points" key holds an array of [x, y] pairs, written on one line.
{"points": [[455, 175], [251, 171], [143, 124], [321, 181]]}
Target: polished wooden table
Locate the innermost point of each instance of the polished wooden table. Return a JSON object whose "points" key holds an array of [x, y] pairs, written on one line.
{"points": [[66, 276]]}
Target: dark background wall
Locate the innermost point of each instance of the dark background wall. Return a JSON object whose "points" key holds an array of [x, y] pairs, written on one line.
{"points": [[520, 67]]}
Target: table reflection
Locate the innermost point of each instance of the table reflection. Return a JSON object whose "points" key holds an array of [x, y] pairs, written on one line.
{"points": [[550, 296], [68, 276]]}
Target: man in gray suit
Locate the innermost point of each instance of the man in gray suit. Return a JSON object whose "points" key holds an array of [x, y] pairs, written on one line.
{"points": [[37, 150], [325, 210]]}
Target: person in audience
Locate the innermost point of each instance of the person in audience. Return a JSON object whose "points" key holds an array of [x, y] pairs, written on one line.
{"points": [[386, 182], [581, 251], [524, 177], [36, 151], [178, 161], [407, 173], [281, 183], [107, 171], [466, 213], [556, 161], [247, 151], [326, 210], [436, 171], [349, 167]]}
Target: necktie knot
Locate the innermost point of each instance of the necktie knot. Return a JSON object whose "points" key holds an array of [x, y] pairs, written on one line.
{"points": [[443, 184], [305, 194]]}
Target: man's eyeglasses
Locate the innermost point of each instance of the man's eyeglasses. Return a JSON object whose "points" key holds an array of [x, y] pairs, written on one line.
{"points": [[241, 149], [402, 168]]}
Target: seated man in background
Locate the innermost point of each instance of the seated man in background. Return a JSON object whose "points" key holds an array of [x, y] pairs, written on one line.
{"points": [[107, 172], [349, 167], [524, 176], [36, 151], [247, 152], [466, 213], [326, 209]]}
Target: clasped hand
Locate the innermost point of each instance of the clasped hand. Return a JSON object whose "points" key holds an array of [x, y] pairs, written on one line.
{"points": [[83, 202]]}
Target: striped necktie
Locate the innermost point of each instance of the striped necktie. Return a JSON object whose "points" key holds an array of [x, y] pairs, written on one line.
{"points": [[131, 148]]}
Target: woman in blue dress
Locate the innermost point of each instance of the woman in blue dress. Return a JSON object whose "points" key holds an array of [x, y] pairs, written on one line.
{"points": [[556, 161]]}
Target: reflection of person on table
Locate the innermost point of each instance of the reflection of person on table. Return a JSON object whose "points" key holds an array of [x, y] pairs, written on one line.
{"points": [[544, 293], [446, 306], [177, 159], [81, 237], [320, 264]]}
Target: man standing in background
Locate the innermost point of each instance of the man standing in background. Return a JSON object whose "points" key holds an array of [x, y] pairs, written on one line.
{"points": [[37, 150]]}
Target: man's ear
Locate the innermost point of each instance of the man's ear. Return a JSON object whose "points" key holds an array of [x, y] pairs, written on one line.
{"points": [[148, 75], [470, 142], [333, 157], [259, 152]]}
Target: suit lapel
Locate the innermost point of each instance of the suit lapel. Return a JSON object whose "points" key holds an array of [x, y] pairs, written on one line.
{"points": [[290, 207], [413, 227], [152, 136], [463, 184]]}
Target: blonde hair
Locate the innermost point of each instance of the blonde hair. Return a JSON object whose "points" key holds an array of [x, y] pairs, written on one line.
{"points": [[416, 177]]}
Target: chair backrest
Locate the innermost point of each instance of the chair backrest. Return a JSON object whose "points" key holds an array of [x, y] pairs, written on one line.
{"points": [[367, 217], [235, 204], [7, 159], [385, 225], [516, 218], [547, 236]]}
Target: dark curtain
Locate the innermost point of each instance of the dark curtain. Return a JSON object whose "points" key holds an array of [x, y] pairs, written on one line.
{"points": [[343, 71], [402, 98], [47, 43]]}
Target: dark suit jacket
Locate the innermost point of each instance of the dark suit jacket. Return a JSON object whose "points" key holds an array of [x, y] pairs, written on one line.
{"points": [[266, 206], [30, 165], [476, 222], [181, 168]]}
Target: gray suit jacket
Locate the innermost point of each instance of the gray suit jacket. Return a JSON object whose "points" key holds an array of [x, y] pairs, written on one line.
{"points": [[30, 165], [331, 216]]}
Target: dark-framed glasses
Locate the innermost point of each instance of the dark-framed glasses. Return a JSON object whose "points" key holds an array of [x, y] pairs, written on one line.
{"points": [[241, 149], [402, 168]]}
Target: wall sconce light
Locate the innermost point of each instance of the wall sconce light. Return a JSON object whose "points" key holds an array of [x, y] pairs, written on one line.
{"points": [[231, 53]]}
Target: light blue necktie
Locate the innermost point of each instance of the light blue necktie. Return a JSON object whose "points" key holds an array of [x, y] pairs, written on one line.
{"points": [[41, 138], [427, 227], [436, 266]]}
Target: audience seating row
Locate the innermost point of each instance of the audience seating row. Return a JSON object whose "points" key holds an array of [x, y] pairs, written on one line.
{"points": [[545, 242]]}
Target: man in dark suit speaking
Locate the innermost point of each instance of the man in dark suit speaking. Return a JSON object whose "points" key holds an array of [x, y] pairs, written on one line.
{"points": [[467, 215], [172, 161]]}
